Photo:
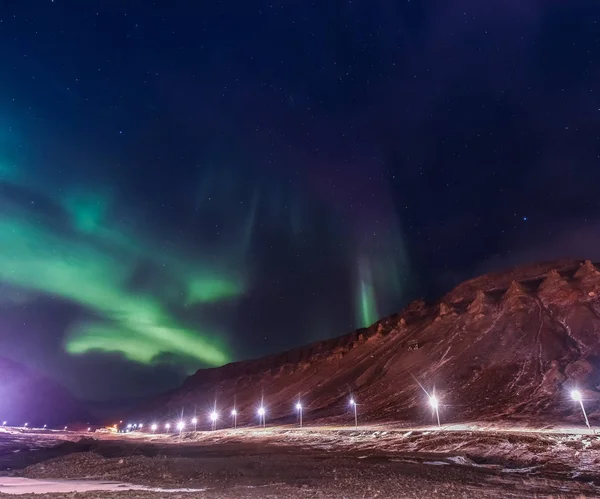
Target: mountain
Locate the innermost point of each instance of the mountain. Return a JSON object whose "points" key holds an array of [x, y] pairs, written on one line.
{"points": [[506, 345], [28, 397]]}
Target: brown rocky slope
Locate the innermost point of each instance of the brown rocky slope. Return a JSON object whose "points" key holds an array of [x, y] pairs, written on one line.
{"points": [[508, 345]]}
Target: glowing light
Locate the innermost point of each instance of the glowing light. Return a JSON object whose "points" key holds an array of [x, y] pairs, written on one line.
{"points": [[299, 409], [44, 426], [129, 426], [3, 423], [435, 403], [353, 405], [141, 425], [89, 429], [25, 424], [65, 428], [194, 420], [214, 416], [180, 425], [261, 411], [154, 427], [233, 412], [167, 426], [576, 396]]}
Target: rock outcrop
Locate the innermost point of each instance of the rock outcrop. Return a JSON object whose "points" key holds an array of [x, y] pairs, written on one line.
{"points": [[506, 345]]}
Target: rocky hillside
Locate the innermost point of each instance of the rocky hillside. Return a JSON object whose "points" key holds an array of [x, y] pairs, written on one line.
{"points": [[503, 345], [26, 396]]}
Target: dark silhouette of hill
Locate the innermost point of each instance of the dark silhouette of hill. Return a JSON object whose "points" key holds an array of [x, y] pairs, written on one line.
{"points": [[506, 345], [29, 397]]}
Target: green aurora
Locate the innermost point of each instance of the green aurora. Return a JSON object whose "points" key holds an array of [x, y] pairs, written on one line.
{"points": [[92, 263]]}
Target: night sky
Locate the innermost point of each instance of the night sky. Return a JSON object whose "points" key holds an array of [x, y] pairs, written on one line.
{"points": [[184, 184]]}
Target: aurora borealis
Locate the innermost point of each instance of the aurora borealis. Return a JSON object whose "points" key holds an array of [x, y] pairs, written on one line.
{"points": [[186, 187]]}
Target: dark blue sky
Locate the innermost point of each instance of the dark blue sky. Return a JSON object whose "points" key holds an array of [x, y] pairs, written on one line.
{"points": [[184, 184]]}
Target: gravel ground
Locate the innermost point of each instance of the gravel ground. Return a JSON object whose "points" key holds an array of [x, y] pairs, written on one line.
{"points": [[255, 468]]}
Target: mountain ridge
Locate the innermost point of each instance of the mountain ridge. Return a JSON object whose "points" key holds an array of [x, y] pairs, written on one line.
{"points": [[503, 345]]}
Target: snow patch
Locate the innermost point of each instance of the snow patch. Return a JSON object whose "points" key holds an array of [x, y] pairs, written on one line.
{"points": [[20, 486]]}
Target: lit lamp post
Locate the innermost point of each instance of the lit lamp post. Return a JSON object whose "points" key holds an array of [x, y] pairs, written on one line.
{"points": [[353, 405], [434, 403], [154, 428], [195, 422], [168, 427], [3, 423], [576, 396], [261, 416], [180, 427], [299, 409], [141, 426], [234, 416], [214, 416]]}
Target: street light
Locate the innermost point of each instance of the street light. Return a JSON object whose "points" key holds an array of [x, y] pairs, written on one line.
{"points": [[434, 403], [141, 425], [576, 396], [26, 425], [261, 415], [195, 422], [3, 423], [154, 427], [214, 416], [234, 416], [353, 405], [299, 409], [168, 427]]}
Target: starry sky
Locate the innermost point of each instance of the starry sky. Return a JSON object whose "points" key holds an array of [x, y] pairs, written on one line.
{"points": [[186, 184]]}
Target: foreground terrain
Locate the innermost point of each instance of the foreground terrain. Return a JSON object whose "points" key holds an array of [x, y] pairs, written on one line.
{"points": [[284, 462]]}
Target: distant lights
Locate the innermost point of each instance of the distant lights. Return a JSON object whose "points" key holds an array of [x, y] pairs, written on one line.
{"points": [[180, 425], [194, 420], [25, 424], [141, 425], [154, 427], [576, 395], [233, 412], [168, 426], [214, 415], [4, 423], [261, 411]]}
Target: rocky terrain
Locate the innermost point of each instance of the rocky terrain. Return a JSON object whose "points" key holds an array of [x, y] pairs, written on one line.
{"points": [[291, 463], [507, 345], [29, 397]]}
